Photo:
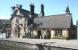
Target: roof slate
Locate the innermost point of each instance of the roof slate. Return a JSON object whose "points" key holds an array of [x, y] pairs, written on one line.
{"points": [[23, 12], [53, 21]]}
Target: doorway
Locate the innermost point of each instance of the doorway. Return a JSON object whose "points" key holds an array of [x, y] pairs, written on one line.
{"points": [[39, 34]]}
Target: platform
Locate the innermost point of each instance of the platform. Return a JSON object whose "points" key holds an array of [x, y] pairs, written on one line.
{"points": [[36, 44]]}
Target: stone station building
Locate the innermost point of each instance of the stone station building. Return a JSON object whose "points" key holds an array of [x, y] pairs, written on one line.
{"points": [[28, 24]]}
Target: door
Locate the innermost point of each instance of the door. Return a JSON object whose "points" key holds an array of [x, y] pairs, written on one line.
{"points": [[39, 34]]}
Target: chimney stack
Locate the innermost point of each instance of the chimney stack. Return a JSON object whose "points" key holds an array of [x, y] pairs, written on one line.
{"points": [[42, 9], [32, 10]]}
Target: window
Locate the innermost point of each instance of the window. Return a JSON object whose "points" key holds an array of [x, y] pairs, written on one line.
{"points": [[58, 32], [48, 34]]}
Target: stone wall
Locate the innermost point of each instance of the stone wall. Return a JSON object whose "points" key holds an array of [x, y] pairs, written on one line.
{"points": [[52, 33], [65, 34], [15, 25], [34, 33]]}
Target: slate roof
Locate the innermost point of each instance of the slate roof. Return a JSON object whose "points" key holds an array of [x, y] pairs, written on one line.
{"points": [[23, 12], [53, 21]]}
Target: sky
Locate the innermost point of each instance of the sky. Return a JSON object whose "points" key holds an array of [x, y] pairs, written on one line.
{"points": [[52, 7]]}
